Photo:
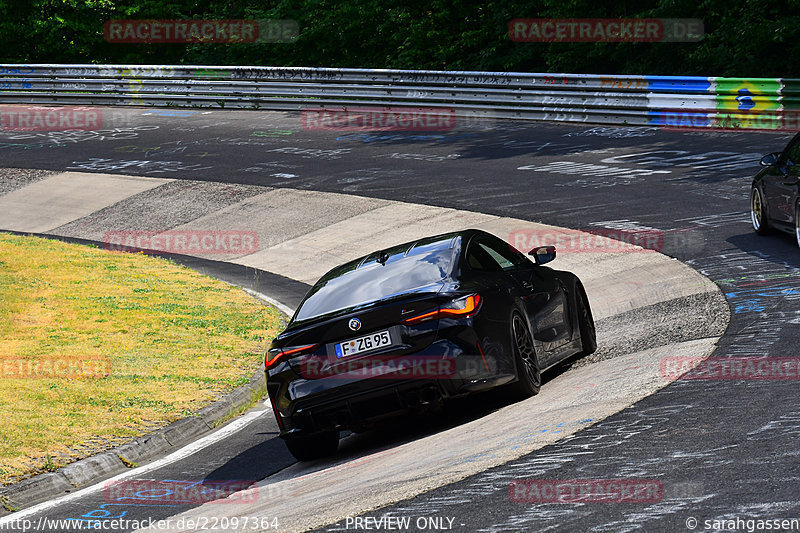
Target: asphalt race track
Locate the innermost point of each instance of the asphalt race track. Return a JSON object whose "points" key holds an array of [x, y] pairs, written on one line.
{"points": [[721, 449]]}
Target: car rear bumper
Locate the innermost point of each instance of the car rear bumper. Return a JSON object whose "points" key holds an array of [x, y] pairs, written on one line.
{"points": [[345, 402], [359, 408], [308, 401]]}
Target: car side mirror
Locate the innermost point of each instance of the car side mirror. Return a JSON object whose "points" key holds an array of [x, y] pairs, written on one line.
{"points": [[770, 159], [543, 254]]}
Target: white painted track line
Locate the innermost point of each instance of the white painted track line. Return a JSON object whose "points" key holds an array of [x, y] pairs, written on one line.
{"points": [[136, 473]]}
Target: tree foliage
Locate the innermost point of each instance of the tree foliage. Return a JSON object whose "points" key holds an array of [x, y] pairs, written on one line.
{"points": [[757, 38]]}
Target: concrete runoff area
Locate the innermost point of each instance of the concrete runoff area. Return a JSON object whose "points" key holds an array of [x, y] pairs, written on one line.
{"points": [[163, 208], [67, 196], [319, 238], [308, 257], [280, 215]]}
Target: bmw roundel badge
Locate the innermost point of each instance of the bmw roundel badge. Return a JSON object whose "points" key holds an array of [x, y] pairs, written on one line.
{"points": [[354, 324]]}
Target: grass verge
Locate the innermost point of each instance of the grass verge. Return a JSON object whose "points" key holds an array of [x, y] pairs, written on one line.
{"points": [[97, 347]]}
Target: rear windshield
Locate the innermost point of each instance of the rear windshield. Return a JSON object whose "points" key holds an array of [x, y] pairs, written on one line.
{"points": [[420, 269]]}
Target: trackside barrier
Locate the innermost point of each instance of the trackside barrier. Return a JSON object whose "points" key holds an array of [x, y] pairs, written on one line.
{"points": [[677, 101]]}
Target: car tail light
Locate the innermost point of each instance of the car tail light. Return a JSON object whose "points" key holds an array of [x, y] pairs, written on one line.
{"points": [[462, 308], [275, 355]]}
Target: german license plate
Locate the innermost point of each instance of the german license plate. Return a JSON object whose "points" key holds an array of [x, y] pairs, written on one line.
{"points": [[379, 339]]}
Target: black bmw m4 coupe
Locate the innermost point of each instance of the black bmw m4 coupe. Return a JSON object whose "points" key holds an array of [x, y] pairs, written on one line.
{"points": [[413, 325]]}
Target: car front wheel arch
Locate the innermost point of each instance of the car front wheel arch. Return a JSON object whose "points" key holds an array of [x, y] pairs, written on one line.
{"points": [[586, 325]]}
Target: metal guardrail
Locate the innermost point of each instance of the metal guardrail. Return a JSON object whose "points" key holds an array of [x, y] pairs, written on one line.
{"points": [[765, 103]]}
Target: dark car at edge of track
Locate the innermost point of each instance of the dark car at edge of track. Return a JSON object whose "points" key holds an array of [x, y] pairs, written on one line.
{"points": [[406, 328], [775, 193]]}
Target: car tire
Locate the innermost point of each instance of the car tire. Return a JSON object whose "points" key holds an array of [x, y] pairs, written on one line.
{"points": [[758, 214], [529, 375], [797, 223], [586, 323], [314, 446]]}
